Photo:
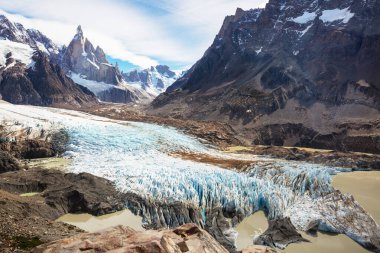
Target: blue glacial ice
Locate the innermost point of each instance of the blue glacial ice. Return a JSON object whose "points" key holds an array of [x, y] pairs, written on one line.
{"points": [[136, 157]]}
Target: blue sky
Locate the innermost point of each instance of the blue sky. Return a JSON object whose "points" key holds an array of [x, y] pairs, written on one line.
{"points": [[135, 33]]}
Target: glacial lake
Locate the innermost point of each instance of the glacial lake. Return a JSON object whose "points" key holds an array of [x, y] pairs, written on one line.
{"points": [[92, 223]]}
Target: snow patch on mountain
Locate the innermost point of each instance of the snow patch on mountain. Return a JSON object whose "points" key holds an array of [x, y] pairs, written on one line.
{"points": [[19, 51], [305, 17], [94, 86], [302, 33], [329, 16], [42, 48]]}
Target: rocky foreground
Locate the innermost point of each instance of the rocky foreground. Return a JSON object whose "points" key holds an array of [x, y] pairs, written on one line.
{"points": [[28, 221], [186, 238]]}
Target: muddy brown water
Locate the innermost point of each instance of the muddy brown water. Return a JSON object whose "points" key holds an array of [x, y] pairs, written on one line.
{"points": [[92, 223], [363, 185]]}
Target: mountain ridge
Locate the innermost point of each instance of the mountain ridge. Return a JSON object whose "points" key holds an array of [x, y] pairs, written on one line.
{"points": [[29, 73], [295, 74], [154, 80], [89, 67]]}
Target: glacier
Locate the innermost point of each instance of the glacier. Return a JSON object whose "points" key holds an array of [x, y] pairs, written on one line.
{"points": [[168, 190]]}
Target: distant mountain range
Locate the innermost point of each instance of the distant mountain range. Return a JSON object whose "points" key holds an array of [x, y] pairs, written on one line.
{"points": [[87, 66], [153, 80], [296, 73]]}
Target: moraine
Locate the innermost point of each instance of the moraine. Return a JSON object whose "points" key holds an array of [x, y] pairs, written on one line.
{"points": [[137, 158]]}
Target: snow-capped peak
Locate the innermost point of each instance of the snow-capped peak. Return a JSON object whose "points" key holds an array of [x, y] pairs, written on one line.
{"points": [[79, 34], [33, 38], [153, 80]]}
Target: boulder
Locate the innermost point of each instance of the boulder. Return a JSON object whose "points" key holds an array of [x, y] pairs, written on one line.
{"points": [[279, 234], [8, 162]]}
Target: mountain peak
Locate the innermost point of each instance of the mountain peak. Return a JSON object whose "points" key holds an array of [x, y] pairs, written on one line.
{"points": [[79, 33], [2, 17], [239, 12]]}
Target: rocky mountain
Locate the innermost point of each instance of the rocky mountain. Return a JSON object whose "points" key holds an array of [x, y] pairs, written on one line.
{"points": [[296, 73], [29, 73], [35, 39], [153, 80], [81, 57], [89, 67]]}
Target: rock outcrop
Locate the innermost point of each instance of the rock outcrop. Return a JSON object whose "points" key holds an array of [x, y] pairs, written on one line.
{"points": [[279, 234], [8, 162], [157, 215], [258, 249], [297, 73], [186, 238], [66, 192], [26, 222]]}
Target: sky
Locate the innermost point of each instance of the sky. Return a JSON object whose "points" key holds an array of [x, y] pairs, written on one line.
{"points": [[134, 33]]}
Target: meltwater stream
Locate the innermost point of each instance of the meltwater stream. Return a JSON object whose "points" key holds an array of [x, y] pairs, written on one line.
{"points": [[136, 157]]}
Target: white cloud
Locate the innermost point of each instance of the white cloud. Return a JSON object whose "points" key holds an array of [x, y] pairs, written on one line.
{"points": [[128, 31]]}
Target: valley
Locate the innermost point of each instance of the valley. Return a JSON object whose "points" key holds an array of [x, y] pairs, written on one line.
{"points": [[174, 126], [168, 190]]}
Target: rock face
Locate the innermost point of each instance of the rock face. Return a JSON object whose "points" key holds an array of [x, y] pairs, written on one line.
{"points": [[8, 162], [124, 94], [89, 67], [186, 238], [28, 74], [279, 234], [81, 57], [17, 33], [153, 80], [297, 73]]}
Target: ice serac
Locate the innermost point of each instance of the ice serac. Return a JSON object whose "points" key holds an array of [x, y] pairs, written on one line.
{"points": [[296, 73], [29, 73], [153, 80], [89, 67]]}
